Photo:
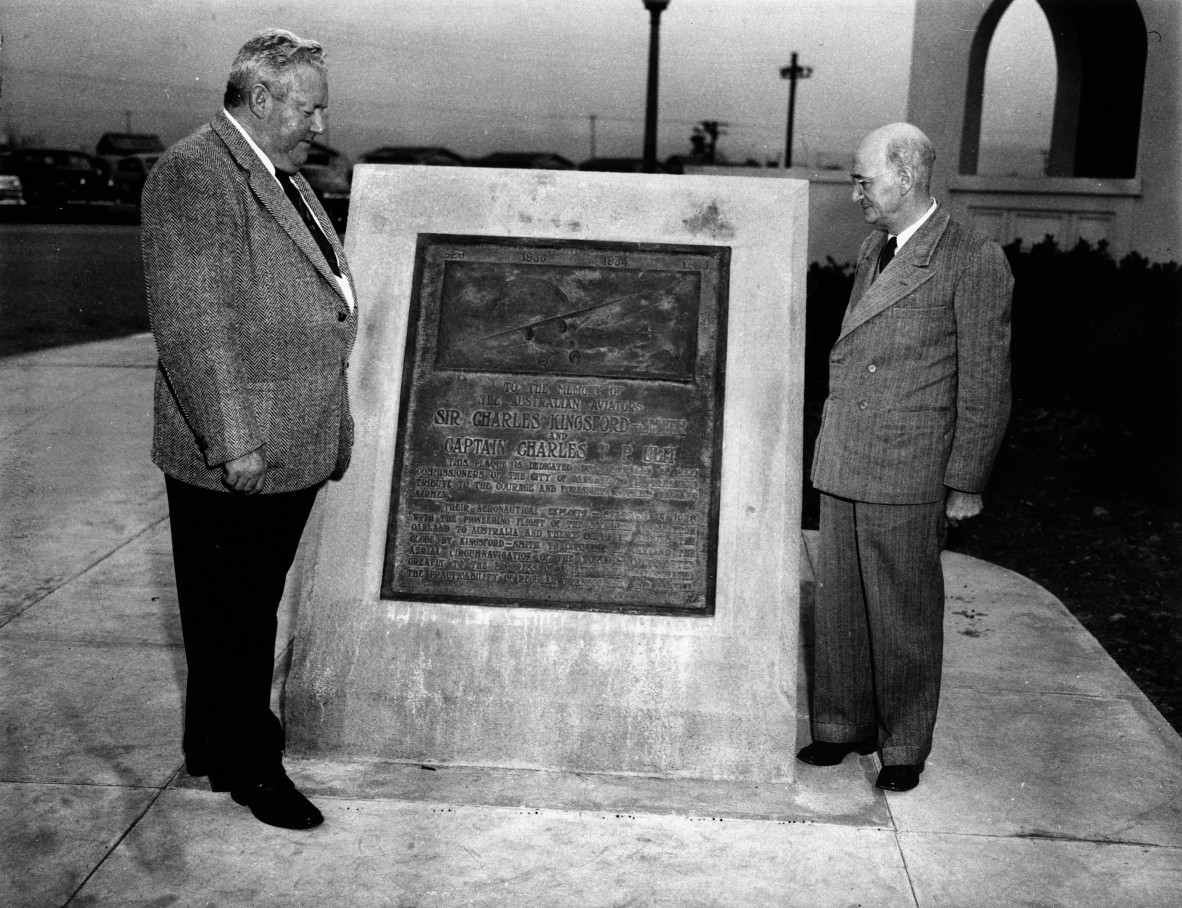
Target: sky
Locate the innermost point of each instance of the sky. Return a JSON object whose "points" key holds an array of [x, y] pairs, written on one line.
{"points": [[480, 76]]}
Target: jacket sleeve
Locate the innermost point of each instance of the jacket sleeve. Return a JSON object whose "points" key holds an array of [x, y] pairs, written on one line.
{"points": [[192, 235], [982, 302]]}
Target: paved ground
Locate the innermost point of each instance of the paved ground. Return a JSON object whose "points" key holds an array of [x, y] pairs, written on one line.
{"points": [[1053, 780]]}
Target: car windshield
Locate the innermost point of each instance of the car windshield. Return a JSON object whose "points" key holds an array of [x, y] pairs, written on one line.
{"points": [[54, 160]]}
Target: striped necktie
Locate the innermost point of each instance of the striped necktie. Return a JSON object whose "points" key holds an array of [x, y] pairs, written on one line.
{"points": [[314, 228]]}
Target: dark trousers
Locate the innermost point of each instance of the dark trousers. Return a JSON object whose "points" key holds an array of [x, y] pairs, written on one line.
{"points": [[231, 554], [879, 626]]}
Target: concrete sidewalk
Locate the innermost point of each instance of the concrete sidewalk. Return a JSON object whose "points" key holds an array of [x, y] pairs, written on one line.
{"points": [[1053, 780]]}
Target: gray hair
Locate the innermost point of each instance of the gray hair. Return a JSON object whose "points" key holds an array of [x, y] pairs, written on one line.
{"points": [[911, 149], [269, 57]]}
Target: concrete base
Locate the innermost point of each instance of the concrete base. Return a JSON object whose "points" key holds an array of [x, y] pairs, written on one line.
{"points": [[703, 697]]}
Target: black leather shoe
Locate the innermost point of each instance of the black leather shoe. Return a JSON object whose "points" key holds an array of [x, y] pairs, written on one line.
{"points": [[901, 777], [823, 753], [276, 802]]}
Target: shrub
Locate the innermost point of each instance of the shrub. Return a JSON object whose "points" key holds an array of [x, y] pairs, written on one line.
{"points": [[1093, 338], [1090, 332]]}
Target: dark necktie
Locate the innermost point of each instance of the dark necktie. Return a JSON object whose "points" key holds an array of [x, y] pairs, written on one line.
{"points": [[888, 253], [310, 221]]}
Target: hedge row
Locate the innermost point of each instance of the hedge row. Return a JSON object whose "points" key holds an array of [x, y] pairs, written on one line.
{"points": [[1091, 336]]}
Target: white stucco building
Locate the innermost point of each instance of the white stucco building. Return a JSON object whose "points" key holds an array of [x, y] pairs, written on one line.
{"points": [[1114, 169], [1114, 166]]}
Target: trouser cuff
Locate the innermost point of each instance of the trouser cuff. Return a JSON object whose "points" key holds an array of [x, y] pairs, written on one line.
{"points": [[893, 755], [832, 733], [255, 747]]}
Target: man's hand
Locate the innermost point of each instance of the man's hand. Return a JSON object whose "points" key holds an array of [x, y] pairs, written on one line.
{"points": [[960, 506], [245, 474]]}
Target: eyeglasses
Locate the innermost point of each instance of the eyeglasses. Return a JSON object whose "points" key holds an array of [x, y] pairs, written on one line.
{"points": [[860, 183]]}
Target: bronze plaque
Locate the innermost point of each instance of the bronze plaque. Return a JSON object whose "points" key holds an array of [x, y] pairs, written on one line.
{"points": [[560, 433]]}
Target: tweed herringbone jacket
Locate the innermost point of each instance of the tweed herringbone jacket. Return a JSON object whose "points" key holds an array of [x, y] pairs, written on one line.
{"points": [[919, 377], [252, 330]]}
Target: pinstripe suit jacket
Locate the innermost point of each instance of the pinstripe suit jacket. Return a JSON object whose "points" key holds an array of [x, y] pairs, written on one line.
{"points": [[251, 327], [919, 377]]}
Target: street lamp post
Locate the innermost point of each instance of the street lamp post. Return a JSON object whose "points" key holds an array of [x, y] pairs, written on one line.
{"points": [[792, 72], [655, 8]]}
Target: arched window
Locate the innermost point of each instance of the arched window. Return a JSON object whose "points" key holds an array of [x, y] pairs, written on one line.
{"points": [[1019, 104], [1100, 52]]}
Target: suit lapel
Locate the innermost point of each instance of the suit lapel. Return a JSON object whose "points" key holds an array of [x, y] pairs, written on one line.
{"points": [[271, 196], [910, 268]]}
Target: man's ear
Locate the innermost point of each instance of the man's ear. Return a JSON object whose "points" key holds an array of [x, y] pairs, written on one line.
{"points": [[906, 180], [259, 100]]}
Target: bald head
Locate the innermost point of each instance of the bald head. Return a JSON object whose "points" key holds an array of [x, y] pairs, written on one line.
{"points": [[897, 159], [905, 146]]}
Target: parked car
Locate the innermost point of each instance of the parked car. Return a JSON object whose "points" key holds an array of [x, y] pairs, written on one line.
{"points": [[414, 154], [529, 160], [115, 145], [128, 156], [10, 189], [330, 175], [620, 165], [121, 143], [58, 176], [128, 175]]}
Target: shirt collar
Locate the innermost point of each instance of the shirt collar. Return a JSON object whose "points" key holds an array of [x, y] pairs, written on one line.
{"points": [[907, 234], [258, 151], [346, 288]]}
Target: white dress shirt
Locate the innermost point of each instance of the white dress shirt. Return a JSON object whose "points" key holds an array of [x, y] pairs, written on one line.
{"points": [[910, 231]]}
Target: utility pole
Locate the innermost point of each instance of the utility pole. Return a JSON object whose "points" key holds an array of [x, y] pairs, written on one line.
{"points": [[592, 117], [792, 72], [127, 120], [655, 8]]}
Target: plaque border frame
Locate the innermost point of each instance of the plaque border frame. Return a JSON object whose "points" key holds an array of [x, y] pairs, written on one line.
{"points": [[422, 241]]}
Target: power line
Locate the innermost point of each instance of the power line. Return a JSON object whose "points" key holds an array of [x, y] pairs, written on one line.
{"points": [[121, 81], [510, 113], [202, 91]]}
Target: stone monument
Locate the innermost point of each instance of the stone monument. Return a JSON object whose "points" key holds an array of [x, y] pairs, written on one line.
{"points": [[569, 537]]}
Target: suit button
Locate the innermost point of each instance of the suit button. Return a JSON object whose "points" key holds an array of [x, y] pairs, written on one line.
{"points": [[872, 368], [341, 316], [862, 405]]}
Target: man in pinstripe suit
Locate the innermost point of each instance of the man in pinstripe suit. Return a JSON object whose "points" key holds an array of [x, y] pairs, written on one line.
{"points": [[253, 313], [919, 397]]}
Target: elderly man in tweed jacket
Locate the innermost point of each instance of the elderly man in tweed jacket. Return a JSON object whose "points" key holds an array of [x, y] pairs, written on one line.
{"points": [[253, 313], [919, 397]]}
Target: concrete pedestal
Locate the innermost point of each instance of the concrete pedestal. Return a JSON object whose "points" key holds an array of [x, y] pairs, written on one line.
{"points": [[446, 683]]}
